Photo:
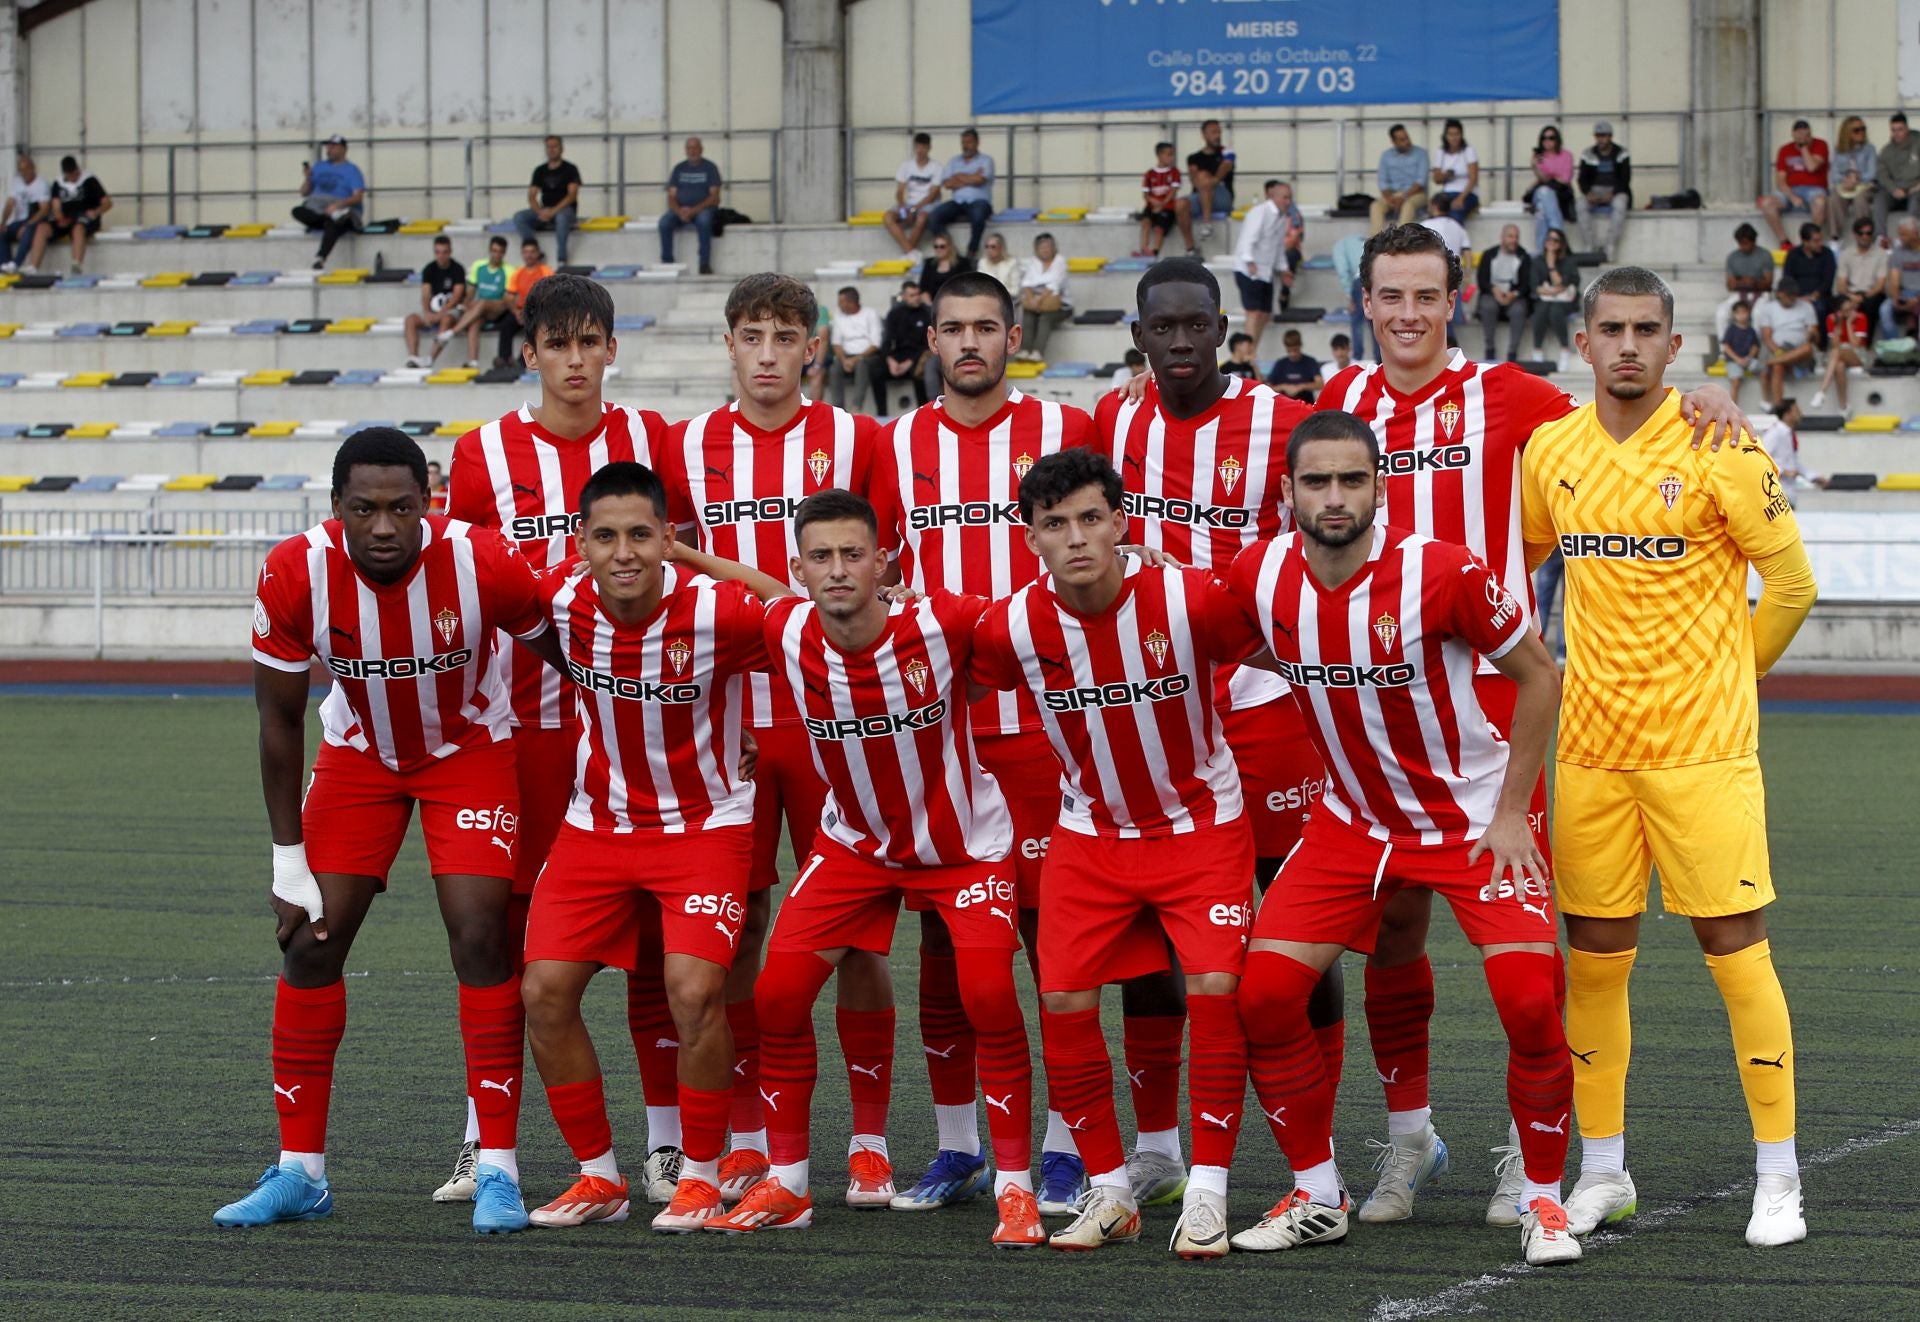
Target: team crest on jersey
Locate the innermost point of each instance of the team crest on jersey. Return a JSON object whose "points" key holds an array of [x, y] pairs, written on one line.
{"points": [[915, 673], [679, 652], [1156, 644], [817, 463], [1386, 629], [1669, 487], [446, 624], [1022, 466], [1230, 470], [1449, 418]]}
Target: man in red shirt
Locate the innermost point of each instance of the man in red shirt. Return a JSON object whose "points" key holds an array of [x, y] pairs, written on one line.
{"points": [[660, 821], [1799, 180], [1377, 629], [735, 477], [401, 606]]}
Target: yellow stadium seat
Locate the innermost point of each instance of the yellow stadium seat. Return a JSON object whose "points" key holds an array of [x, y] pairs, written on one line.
{"points": [[346, 275], [14, 482], [7, 328], [252, 229], [423, 227], [1024, 371], [867, 218], [1086, 265], [459, 427], [167, 279], [1719, 367], [1239, 213], [1874, 422], [1890, 482], [277, 427], [350, 326], [170, 329], [193, 536], [268, 376], [603, 224], [1064, 213], [1779, 256], [452, 376], [8, 280], [191, 482], [87, 380], [91, 431], [890, 266]]}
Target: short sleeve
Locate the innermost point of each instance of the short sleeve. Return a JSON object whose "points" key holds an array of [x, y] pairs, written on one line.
{"points": [[1076, 428], [775, 616], [883, 493], [1745, 485], [860, 471], [510, 591], [670, 462], [745, 642], [1227, 633], [993, 663], [459, 276], [1536, 519], [469, 489], [1532, 402], [283, 610], [1479, 609]]}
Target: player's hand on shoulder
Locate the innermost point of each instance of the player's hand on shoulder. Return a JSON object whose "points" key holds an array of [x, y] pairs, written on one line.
{"points": [[1152, 557], [898, 594], [1715, 418]]}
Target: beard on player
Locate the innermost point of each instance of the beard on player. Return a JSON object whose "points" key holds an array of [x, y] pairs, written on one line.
{"points": [[840, 564], [972, 339], [1336, 491]]}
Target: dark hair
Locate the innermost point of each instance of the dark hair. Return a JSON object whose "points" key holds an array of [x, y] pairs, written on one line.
{"points": [[1238, 338], [1159, 147], [625, 478], [1272, 184], [909, 283], [1134, 358], [1897, 117], [772, 296], [441, 240], [69, 163], [568, 304], [923, 140], [497, 241], [555, 137], [1046, 235], [1177, 271], [1453, 124], [834, 505], [1340, 341], [848, 291], [1540, 143], [1631, 282], [378, 447], [1331, 425], [1864, 223], [1801, 124], [1290, 336], [1206, 123], [970, 133], [1405, 241], [1564, 245], [1395, 128], [974, 284], [1744, 231], [1064, 472], [1808, 230], [1785, 406]]}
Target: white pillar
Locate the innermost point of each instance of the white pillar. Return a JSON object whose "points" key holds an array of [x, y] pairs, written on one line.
{"points": [[813, 159], [1725, 143]]}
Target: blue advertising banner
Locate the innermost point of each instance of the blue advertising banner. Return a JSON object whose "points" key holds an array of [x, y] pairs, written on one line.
{"points": [[1039, 55]]}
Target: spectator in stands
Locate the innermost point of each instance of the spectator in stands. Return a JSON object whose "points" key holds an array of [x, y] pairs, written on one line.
{"points": [[916, 190], [1555, 278], [903, 346], [1346, 269], [693, 198], [1855, 168], [79, 201], [533, 269], [1293, 234], [1788, 331], [1240, 357], [1260, 256], [1901, 310], [333, 194], [1898, 175], [1605, 184], [1811, 270], [1161, 206], [1750, 273], [1132, 364], [1740, 349], [1846, 347], [553, 198], [436, 488], [1783, 446], [1550, 195], [486, 295], [1211, 171], [936, 270], [1043, 298], [1505, 292], [29, 201], [443, 292], [969, 185], [1293, 373], [1402, 180], [816, 366], [1799, 180], [1441, 222], [856, 339], [1862, 270], [1341, 347], [1456, 172], [1002, 265]]}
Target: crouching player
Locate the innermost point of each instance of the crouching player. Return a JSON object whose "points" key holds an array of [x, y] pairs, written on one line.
{"points": [[659, 817], [1377, 630], [401, 606], [882, 691]]}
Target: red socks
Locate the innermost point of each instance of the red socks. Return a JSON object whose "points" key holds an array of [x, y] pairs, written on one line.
{"points": [[788, 985], [308, 1023], [1216, 1078], [656, 1043], [1331, 1039], [944, 1031], [703, 1122], [1539, 1070], [1288, 1076], [1080, 1077], [1006, 1065], [866, 1040], [580, 1111], [1153, 1068], [493, 1024], [1399, 1005], [749, 1113]]}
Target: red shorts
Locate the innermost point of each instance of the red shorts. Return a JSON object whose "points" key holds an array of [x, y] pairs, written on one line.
{"points": [[785, 783], [543, 764], [1336, 885], [1497, 694], [356, 811], [593, 898], [1281, 777], [843, 899], [1108, 907], [1029, 777]]}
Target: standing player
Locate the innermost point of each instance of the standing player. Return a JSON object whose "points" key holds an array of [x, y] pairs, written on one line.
{"points": [[1657, 764], [1202, 455], [1451, 433], [882, 690], [1152, 845], [401, 607], [945, 489], [735, 477], [659, 821], [1377, 629], [520, 474]]}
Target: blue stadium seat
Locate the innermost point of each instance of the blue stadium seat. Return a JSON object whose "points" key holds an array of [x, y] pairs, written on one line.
{"points": [[263, 326], [102, 482], [359, 376], [256, 277], [283, 482], [180, 378], [182, 431], [635, 322], [12, 430], [160, 232], [365, 423], [81, 330]]}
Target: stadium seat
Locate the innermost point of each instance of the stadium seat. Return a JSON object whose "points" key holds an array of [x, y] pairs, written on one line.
{"points": [[283, 482], [420, 426], [62, 483], [211, 280], [97, 484], [1301, 312], [31, 281], [1823, 422], [179, 431], [422, 227], [602, 224], [144, 482], [867, 218], [274, 428], [253, 278], [87, 380], [123, 328], [1019, 371], [10, 431], [1718, 367], [498, 376], [1063, 215], [889, 266], [174, 379], [345, 275], [81, 281], [314, 376], [359, 376], [238, 482], [634, 322], [607, 273], [350, 325], [459, 427], [268, 376], [49, 431], [237, 427], [321, 429], [1069, 371], [1100, 317], [307, 325], [1129, 265], [92, 431], [190, 482], [160, 232], [365, 424], [170, 329], [1086, 265], [1874, 422], [167, 279], [1853, 482], [1900, 482], [14, 482], [81, 330], [452, 376], [7, 328]]}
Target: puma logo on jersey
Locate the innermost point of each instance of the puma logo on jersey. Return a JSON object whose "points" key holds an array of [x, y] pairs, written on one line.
{"points": [[1748, 884], [533, 490], [1568, 487], [1001, 913], [732, 934], [1779, 1062], [288, 1093], [724, 474], [1584, 1057], [871, 1071], [504, 845], [506, 1087], [928, 478], [1538, 910], [941, 1054], [1560, 1128], [351, 635]]}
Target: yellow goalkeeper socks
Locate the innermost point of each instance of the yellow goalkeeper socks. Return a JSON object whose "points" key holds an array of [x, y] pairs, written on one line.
{"points": [[1762, 1037], [1600, 1036]]}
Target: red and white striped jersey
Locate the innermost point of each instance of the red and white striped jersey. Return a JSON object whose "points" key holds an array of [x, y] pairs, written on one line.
{"points": [[659, 720], [891, 734], [1451, 453], [1382, 668], [738, 487], [1126, 697], [515, 475], [1202, 489], [414, 676], [948, 502]]}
